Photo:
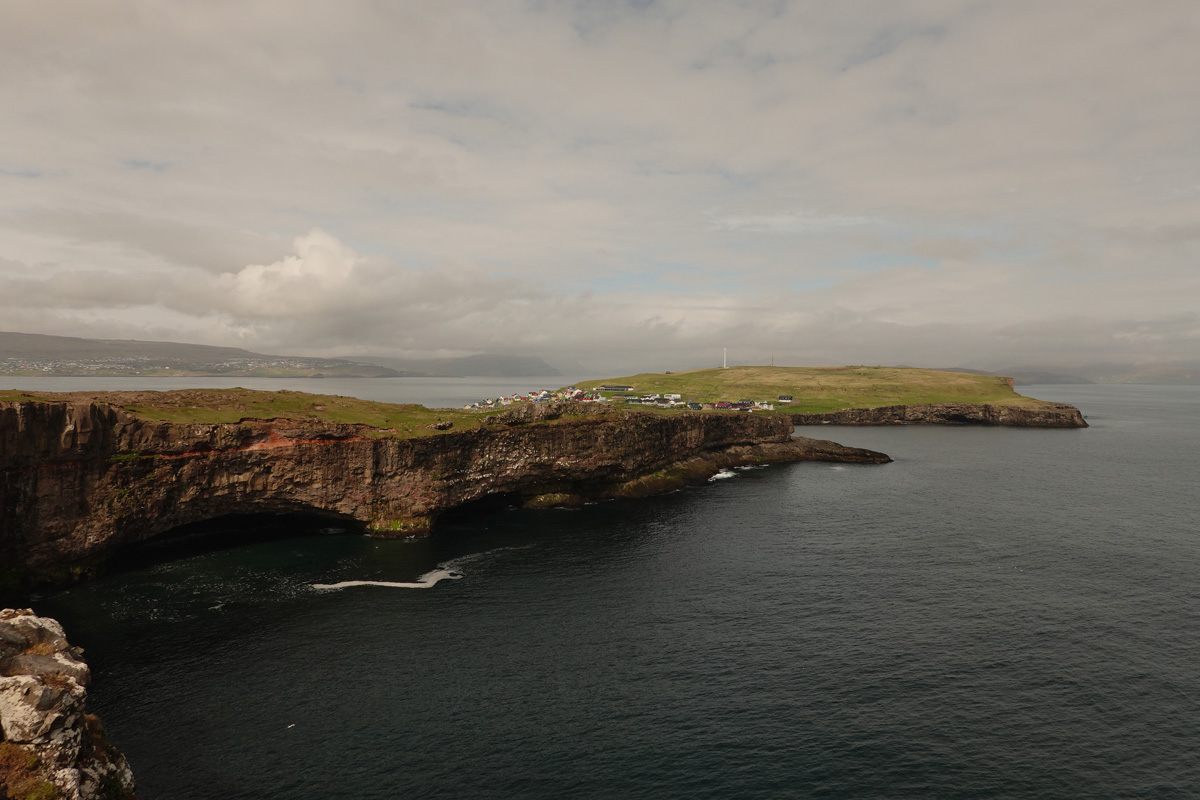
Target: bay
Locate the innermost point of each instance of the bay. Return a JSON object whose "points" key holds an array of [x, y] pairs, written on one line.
{"points": [[998, 613]]}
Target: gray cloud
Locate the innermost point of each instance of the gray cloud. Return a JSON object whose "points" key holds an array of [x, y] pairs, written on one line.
{"points": [[620, 184]]}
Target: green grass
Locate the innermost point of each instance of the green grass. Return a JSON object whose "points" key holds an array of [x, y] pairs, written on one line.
{"points": [[233, 405], [815, 389], [820, 389]]}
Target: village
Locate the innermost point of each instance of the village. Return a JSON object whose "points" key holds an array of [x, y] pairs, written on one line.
{"points": [[608, 393]]}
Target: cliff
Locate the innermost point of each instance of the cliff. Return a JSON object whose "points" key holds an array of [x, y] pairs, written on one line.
{"points": [[1046, 415], [50, 747], [78, 479]]}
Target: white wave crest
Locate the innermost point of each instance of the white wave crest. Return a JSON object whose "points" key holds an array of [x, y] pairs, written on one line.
{"points": [[722, 474], [426, 581], [446, 571]]}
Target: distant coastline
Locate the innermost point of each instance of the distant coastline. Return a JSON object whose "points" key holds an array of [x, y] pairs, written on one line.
{"points": [[27, 354]]}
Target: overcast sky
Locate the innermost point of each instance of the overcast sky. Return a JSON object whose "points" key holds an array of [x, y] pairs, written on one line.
{"points": [[626, 185]]}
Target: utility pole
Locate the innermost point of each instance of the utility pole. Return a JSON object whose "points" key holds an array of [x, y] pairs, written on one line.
{"points": [[724, 352]]}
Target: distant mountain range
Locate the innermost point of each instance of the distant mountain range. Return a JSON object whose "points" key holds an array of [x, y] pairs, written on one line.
{"points": [[37, 354]]}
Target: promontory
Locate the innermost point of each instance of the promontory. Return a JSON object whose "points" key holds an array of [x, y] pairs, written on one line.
{"points": [[852, 395], [82, 474]]}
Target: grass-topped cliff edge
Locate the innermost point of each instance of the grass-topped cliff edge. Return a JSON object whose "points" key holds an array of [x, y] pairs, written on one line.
{"points": [[234, 405], [824, 389]]}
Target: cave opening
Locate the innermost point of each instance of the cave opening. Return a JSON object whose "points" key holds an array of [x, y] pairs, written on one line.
{"points": [[227, 532], [482, 507]]}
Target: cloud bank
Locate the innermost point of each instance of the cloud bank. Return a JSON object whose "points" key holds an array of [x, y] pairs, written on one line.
{"points": [[625, 185]]}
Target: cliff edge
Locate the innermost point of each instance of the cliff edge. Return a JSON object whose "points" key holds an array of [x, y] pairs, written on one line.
{"points": [[1045, 415], [78, 479], [50, 747]]}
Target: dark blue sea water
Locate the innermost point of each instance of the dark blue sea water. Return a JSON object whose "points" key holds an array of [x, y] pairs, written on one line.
{"points": [[998, 614]]}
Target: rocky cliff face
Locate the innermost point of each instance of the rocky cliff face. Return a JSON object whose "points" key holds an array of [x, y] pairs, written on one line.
{"points": [[1044, 416], [50, 747], [79, 479]]}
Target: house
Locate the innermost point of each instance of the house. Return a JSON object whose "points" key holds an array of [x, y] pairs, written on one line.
{"points": [[785, 398], [614, 388]]}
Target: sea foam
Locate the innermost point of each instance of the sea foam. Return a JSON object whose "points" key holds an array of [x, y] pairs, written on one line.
{"points": [[426, 581]]}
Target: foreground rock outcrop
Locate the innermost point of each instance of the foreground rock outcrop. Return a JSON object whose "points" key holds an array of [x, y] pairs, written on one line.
{"points": [[1046, 415], [79, 479], [50, 747]]}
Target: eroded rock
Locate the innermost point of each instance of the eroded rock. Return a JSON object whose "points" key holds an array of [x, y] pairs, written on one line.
{"points": [[77, 481], [46, 737], [1044, 415]]}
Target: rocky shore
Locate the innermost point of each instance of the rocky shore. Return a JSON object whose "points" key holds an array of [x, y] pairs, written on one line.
{"points": [[50, 747], [79, 479]]}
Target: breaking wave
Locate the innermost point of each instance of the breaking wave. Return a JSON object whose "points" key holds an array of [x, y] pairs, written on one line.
{"points": [[449, 571], [426, 581]]}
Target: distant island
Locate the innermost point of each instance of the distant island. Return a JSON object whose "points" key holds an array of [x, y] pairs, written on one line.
{"points": [[30, 354]]}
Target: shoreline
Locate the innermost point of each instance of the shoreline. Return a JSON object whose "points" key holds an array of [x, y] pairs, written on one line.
{"points": [[80, 479], [1047, 415]]}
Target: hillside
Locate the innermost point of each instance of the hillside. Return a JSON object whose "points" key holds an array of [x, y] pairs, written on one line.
{"points": [[37, 354], [821, 389]]}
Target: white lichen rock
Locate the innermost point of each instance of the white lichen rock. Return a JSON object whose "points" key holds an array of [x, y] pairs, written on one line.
{"points": [[47, 739]]}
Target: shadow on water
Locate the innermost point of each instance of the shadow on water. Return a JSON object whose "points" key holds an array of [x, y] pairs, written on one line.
{"points": [[227, 533], [476, 510], [233, 531]]}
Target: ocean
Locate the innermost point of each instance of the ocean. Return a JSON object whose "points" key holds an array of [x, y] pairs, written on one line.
{"points": [[1000, 613]]}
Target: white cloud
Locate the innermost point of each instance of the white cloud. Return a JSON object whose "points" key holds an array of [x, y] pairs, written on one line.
{"points": [[321, 275]]}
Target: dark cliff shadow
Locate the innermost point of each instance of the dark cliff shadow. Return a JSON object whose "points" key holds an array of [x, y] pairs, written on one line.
{"points": [[477, 509], [225, 533]]}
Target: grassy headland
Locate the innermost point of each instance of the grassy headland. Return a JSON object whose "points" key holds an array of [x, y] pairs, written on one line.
{"points": [[814, 389], [233, 405], [821, 389]]}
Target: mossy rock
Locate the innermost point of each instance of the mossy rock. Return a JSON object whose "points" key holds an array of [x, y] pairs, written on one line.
{"points": [[554, 500]]}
